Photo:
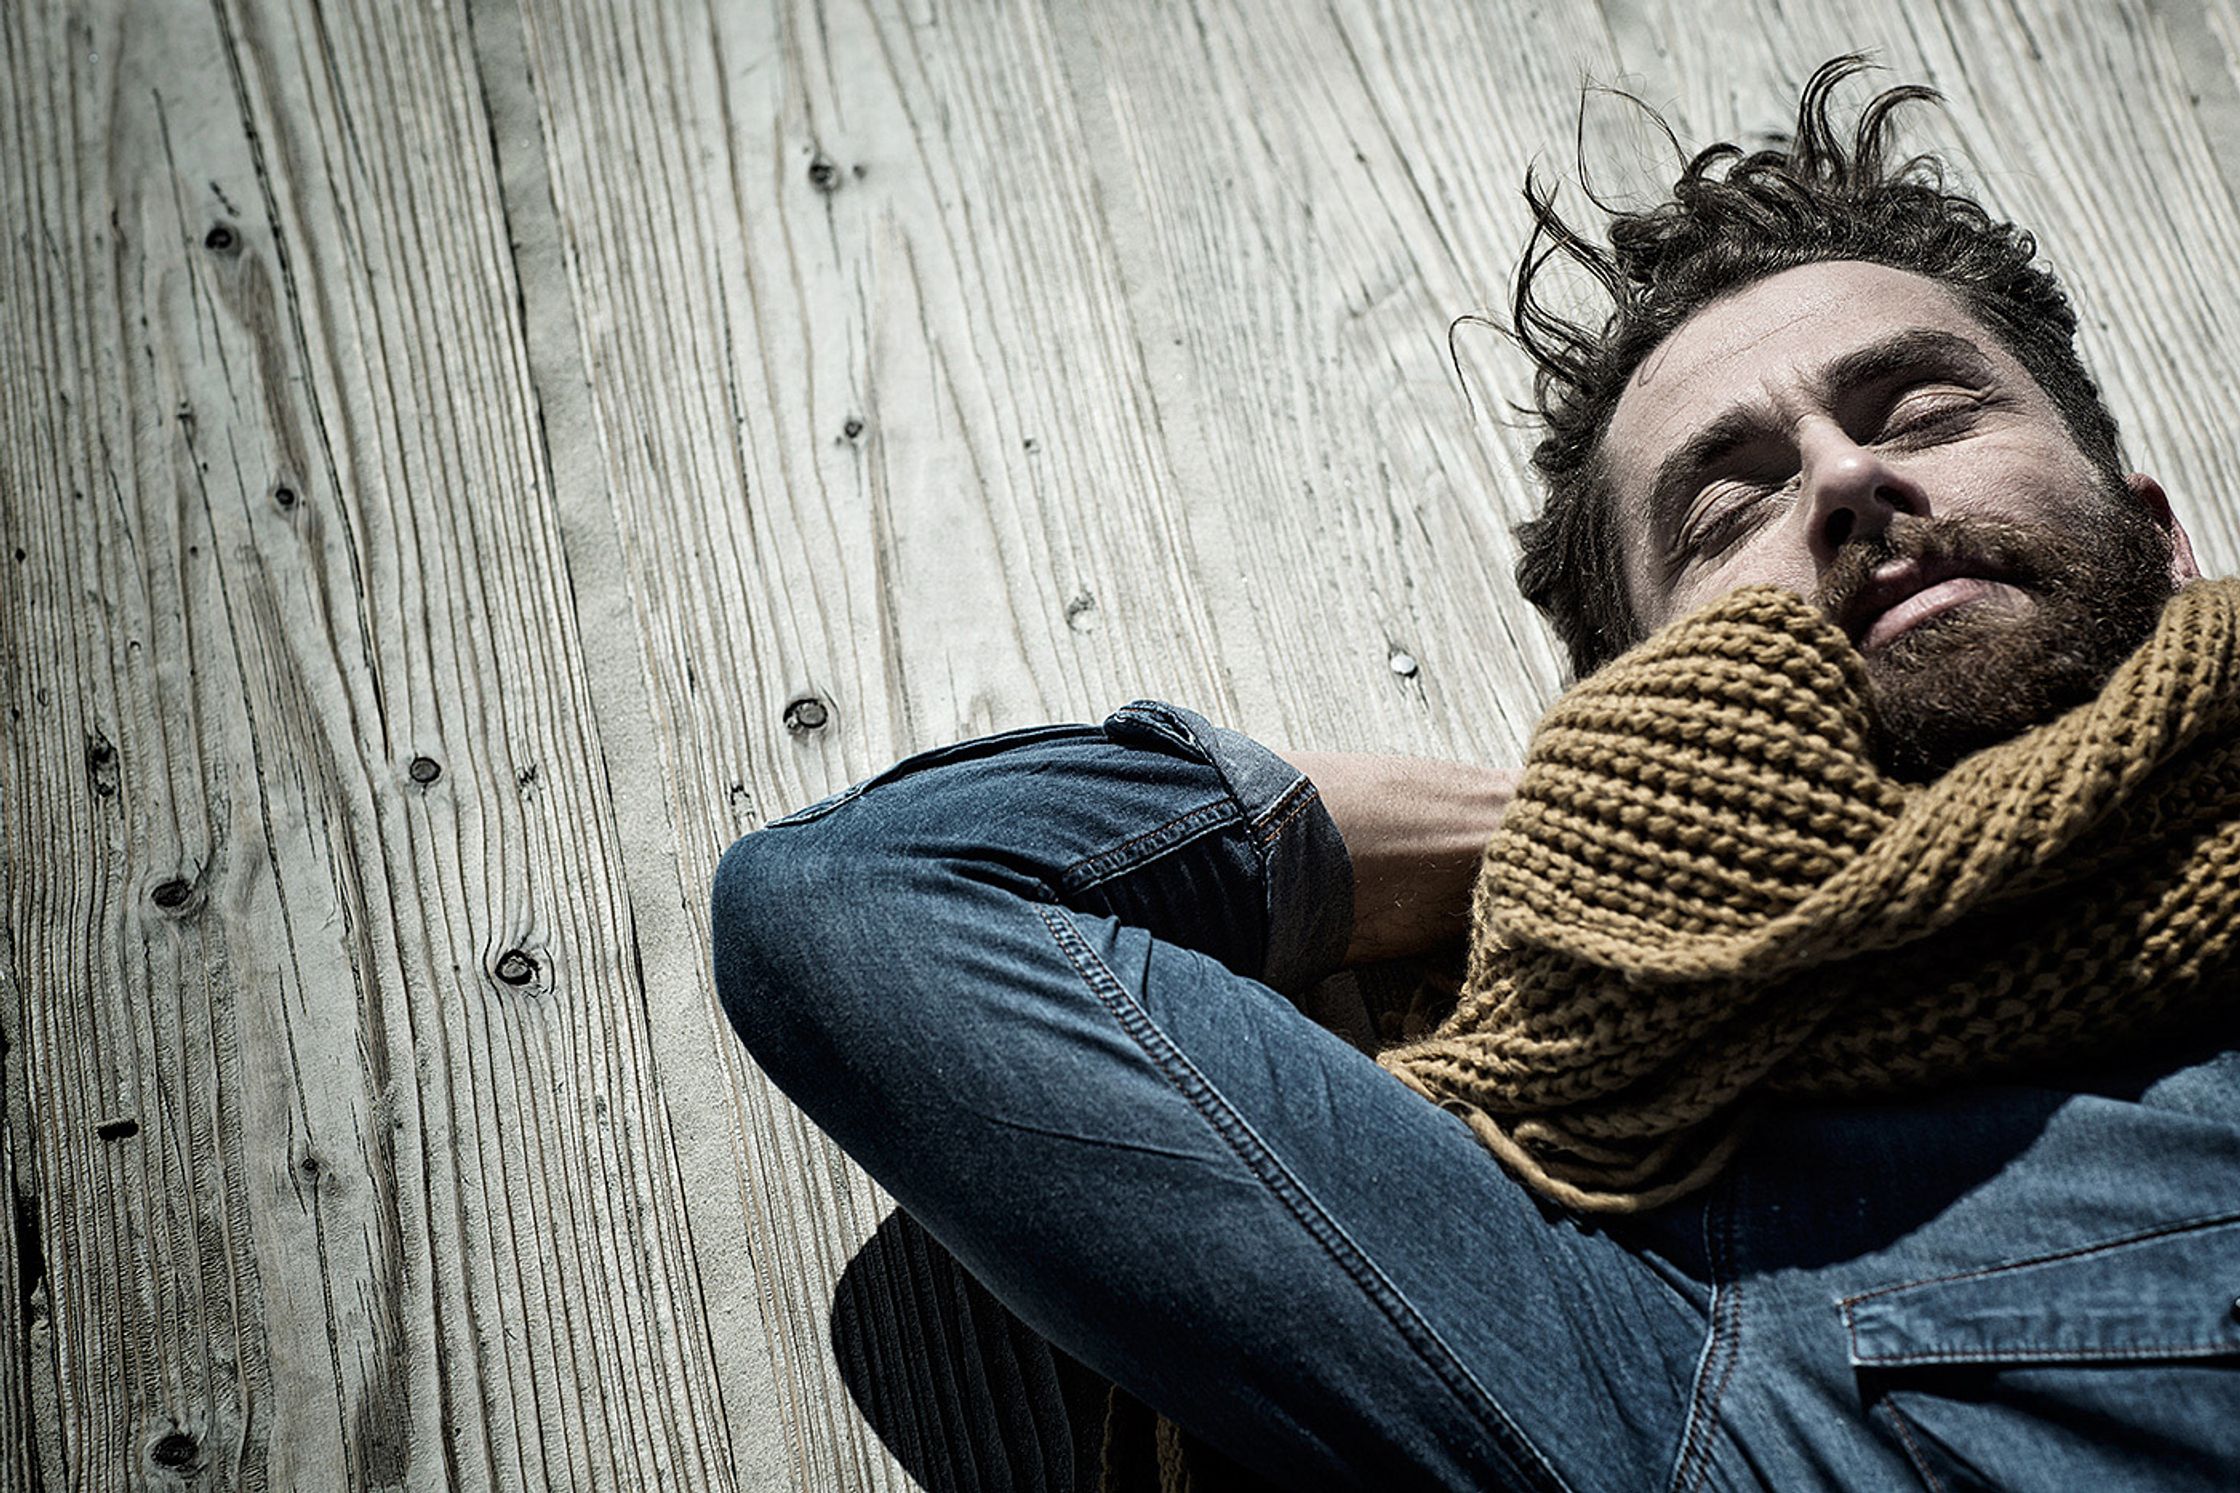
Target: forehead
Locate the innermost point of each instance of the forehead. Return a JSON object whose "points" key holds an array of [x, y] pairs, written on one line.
{"points": [[1762, 346]]}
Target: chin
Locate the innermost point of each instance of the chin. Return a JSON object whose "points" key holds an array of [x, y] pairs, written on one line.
{"points": [[1983, 674]]}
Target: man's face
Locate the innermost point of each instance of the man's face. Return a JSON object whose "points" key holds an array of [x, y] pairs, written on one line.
{"points": [[1849, 431]]}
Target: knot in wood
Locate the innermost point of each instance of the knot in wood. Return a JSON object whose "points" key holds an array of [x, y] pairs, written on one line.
{"points": [[284, 495], [806, 714], [1081, 612], [124, 1127], [175, 1449], [516, 968], [824, 174], [221, 239], [425, 770], [101, 764], [172, 895], [851, 428]]}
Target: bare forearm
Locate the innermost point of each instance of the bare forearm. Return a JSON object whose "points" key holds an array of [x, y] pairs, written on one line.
{"points": [[1415, 828]]}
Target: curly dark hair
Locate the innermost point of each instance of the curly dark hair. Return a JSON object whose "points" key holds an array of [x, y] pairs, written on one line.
{"points": [[1806, 198]]}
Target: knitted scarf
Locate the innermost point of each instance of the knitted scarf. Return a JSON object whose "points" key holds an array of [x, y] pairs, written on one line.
{"points": [[1706, 896]]}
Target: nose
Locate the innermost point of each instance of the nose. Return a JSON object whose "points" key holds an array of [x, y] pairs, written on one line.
{"points": [[1851, 492]]}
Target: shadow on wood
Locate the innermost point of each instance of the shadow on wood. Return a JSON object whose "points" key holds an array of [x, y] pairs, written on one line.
{"points": [[966, 1397]]}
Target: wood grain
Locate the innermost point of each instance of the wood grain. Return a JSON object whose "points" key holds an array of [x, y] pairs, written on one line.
{"points": [[344, 1142], [463, 464]]}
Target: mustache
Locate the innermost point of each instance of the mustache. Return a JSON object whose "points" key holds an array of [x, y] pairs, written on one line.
{"points": [[1976, 545]]}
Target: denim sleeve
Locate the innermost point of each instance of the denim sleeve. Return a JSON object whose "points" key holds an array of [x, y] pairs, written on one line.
{"points": [[1308, 871], [1146, 845], [1046, 988]]}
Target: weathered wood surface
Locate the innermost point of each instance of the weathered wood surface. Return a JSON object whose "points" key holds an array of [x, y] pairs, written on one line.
{"points": [[465, 462]]}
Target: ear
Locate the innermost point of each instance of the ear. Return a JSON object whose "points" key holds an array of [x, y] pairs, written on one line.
{"points": [[2183, 566]]}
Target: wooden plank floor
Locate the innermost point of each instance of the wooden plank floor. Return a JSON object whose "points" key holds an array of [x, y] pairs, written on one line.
{"points": [[463, 463]]}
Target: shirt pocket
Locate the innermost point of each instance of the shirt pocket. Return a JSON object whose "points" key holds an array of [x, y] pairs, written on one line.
{"points": [[2114, 1366], [955, 751]]}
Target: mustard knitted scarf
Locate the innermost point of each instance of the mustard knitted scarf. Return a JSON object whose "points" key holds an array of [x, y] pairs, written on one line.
{"points": [[1705, 895]]}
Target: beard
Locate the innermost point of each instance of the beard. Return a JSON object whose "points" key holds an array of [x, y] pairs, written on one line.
{"points": [[1979, 674]]}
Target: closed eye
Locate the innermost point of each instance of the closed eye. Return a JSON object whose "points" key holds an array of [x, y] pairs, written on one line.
{"points": [[1929, 412], [1727, 510]]}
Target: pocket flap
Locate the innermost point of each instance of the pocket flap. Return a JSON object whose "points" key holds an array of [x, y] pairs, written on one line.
{"points": [[2166, 1294]]}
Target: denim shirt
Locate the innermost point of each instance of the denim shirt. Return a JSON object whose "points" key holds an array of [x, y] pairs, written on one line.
{"points": [[2009, 1286], [2003, 1287]]}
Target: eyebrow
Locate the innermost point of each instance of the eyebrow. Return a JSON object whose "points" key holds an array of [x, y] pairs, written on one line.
{"points": [[1916, 350]]}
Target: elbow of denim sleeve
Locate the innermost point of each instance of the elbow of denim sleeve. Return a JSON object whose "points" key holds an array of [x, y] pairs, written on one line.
{"points": [[768, 918], [736, 934]]}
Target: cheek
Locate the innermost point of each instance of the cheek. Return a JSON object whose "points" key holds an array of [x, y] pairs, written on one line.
{"points": [[1774, 556], [2028, 480]]}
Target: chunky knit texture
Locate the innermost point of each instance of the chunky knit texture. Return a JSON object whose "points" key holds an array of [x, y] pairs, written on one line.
{"points": [[1706, 896]]}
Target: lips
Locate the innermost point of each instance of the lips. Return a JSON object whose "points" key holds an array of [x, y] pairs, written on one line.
{"points": [[1907, 592]]}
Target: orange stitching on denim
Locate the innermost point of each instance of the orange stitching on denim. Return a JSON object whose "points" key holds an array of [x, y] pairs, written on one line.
{"points": [[1266, 837], [1203, 811], [1913, 1449], [2202, 1224]]}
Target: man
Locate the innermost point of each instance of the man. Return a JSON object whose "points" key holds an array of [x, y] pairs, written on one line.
{"points": [[1038, 984]]}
